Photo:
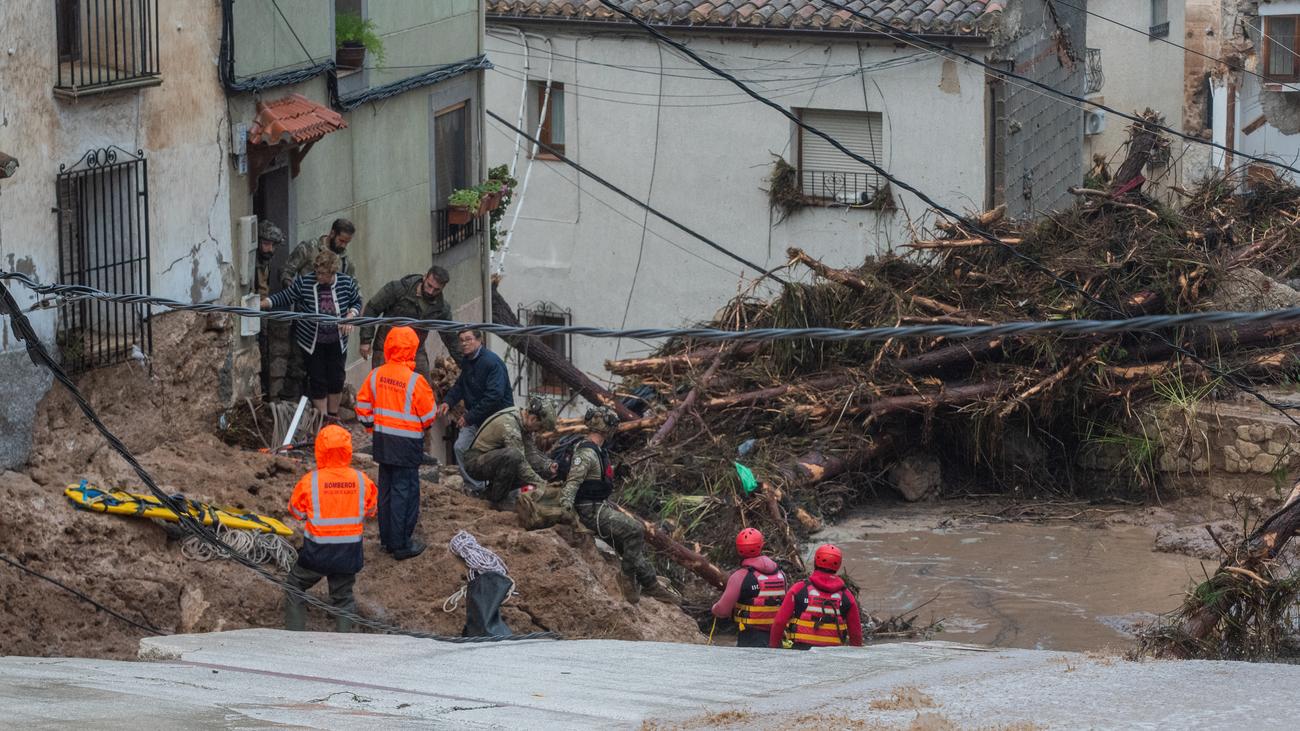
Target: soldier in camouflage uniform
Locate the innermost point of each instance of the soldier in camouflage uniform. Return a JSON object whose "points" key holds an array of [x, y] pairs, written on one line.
{"points": [[416, 296], [275, 340], [585, 496], [302, 261], [504, 453]]}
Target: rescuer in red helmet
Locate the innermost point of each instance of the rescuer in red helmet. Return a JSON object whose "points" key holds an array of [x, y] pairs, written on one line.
{"points": [[819, 611], [753, 592]]}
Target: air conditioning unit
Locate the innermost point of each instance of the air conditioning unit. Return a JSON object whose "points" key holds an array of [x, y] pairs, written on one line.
{"points": [[1094, 121]]}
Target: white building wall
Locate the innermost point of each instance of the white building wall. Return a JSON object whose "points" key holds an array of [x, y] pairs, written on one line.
{"points": [[697, 149], [179, 125], [1141, 73]]}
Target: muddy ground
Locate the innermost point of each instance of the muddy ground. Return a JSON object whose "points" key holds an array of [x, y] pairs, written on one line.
{"points": [[168, 418], [169, 415]]}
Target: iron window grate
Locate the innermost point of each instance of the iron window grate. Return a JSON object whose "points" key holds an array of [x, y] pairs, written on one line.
{"points": [[103, 217]]}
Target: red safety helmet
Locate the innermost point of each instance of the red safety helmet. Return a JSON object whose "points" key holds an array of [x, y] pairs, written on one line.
{"points": [[749, 543], [828, 557]]}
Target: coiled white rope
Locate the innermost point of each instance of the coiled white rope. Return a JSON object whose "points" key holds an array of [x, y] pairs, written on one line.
{"points": [[260, 547], [479, 561]]}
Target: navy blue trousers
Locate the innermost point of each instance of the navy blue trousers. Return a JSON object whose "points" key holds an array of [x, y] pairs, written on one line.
{"points": [[399, 505]]}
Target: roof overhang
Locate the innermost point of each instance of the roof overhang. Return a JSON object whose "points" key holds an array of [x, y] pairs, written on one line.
{"points": [[292, 124]]}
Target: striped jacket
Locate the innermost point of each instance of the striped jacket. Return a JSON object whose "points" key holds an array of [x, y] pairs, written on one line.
{"points": [[303, 295]]}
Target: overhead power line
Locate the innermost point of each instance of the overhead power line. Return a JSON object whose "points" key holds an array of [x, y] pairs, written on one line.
{"points": [[971, 226], [1144, 323], [942, 50]]}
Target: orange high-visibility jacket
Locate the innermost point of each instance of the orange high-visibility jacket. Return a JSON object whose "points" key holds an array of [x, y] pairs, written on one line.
{"points": [[394, 400], [335, 498]]}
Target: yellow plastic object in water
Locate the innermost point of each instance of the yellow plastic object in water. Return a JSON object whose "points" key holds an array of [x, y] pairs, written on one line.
{"points": [[117, 502]]}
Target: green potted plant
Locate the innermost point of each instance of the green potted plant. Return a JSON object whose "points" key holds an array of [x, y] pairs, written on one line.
{"points": [[463, 205], [491, 195], [353, 36]]}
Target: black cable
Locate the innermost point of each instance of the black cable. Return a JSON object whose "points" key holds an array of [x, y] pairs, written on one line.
{"points": [[628, 196], [303, 46], [24, 331], [110, 612], [943, 50], [969, 225]]}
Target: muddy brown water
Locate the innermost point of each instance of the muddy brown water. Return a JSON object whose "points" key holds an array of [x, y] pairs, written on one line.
{"points": [[1041, 586]]}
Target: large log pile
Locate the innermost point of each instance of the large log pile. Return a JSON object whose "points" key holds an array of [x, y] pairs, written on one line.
{"points": [[820, 422]]}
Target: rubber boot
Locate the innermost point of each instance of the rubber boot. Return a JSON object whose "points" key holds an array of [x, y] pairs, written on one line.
{"points": [[663, 591], [631, 590], [295, 615]]}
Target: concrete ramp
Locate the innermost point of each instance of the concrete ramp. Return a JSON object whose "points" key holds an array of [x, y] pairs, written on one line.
{"points": [[273, 679]]}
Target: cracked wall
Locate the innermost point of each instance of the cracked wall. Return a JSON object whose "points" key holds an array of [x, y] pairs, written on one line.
{"points": [[180, 126]]}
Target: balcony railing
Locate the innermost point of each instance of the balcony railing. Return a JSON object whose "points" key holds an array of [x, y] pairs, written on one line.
{"points": [[106, 44], [447, 234], [838, 187], [1159, 30], [1094, 77]]}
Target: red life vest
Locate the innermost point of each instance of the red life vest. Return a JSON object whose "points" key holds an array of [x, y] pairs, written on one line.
{"points": [[760, 598], [821, 622]]}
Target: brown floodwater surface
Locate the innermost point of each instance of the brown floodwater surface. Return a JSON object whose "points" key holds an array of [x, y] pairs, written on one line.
{"points": [[1041, 586]]}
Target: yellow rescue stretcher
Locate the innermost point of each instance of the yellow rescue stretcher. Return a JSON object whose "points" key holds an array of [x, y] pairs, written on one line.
{"points": [[117, 502]]}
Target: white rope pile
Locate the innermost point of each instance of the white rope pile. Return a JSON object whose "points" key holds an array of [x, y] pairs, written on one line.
{"points": [[479, 561], [282, 416], [260, 547]]}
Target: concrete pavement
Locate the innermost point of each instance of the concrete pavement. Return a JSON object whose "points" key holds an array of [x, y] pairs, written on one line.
{"points": [[273, 679]]}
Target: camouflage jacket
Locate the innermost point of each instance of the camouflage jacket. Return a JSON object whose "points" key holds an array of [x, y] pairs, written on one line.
{"points": [[585, 466], [303, 257], [402, 298], [505, 430]]}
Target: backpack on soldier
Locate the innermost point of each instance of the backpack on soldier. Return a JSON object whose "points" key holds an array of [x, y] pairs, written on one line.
{"points": [[562, 454]]}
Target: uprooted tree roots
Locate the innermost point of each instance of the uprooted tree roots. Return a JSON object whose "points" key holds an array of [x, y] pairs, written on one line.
{"points": [[1247, 610]]}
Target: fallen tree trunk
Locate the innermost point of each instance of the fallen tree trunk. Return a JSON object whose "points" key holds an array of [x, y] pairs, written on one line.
{"points": [[680, 361], [950, 356], [1143, 139], [543, 355], [680, 554], [687, 403], [933, 244], [839, 276], [816, 466], [822, 383]]}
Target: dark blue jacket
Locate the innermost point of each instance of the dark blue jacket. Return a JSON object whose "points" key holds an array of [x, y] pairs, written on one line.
{"points": [[483, 385]]}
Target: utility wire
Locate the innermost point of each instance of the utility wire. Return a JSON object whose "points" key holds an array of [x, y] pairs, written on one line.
{"points": [[628, 196], [110, 612], [24, 331], [971, 226], [1020, 328], [941, 50]]}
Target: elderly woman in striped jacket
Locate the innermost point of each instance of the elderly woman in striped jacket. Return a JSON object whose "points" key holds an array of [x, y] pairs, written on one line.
{"points": [[323, 290]]}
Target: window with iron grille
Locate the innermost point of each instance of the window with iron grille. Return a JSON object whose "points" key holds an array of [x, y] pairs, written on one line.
{"points": [[828, 175], [452, 163], [103, 212], [540, 380], [105, 44], [1093, 76], [1159, 19]]}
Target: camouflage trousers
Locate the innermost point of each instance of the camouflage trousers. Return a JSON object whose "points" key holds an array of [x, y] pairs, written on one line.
{"points": [[624, 533], [504, 470], [279, 356]]}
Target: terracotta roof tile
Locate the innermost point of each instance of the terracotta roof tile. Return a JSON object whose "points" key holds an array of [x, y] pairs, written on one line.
{"points": [[936, 16], [294, 119]]}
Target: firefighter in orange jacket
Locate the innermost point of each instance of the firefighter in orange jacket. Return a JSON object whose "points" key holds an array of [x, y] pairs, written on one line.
{"points": [[396, 405], [753, 593], [332, 501], [819, 611]]}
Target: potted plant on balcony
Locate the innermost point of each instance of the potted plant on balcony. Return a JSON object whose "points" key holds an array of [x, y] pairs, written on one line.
{"points": [[491, 195], [463, 206], [353, 36]]}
